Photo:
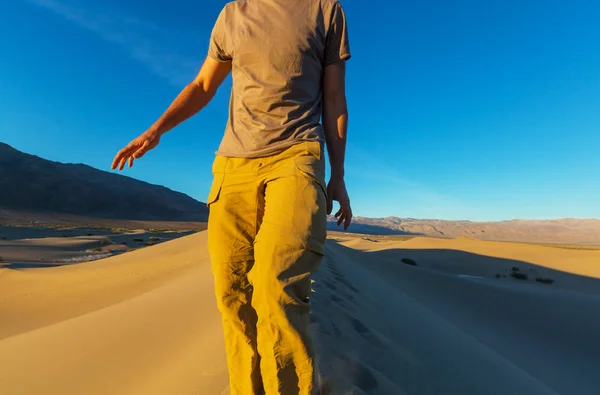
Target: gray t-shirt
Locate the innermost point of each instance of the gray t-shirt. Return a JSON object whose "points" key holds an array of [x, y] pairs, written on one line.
{"points": [[278, 50]]}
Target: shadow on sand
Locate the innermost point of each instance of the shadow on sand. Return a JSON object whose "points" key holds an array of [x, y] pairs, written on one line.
{"points": [[378, 323], [372, 230]]}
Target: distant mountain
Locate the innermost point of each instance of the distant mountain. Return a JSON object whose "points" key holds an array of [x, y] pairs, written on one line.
{"points": [[563, 231], [33, 184]]}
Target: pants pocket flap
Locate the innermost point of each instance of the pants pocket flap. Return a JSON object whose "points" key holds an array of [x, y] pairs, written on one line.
{"points": [[312, 168], [215, 188]]}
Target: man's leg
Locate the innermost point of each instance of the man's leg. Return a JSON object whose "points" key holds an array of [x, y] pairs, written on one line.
{"points": [[231, 230], [288, 248]]}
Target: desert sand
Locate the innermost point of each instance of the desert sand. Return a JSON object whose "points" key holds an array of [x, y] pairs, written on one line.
{"points": [[145, 322]]}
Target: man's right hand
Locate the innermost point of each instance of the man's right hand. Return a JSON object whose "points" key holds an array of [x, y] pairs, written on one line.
{"points": [[136, 149], [336, 190]]}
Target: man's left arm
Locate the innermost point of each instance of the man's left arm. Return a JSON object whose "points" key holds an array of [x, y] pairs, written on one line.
{"points": [[335, 124]]}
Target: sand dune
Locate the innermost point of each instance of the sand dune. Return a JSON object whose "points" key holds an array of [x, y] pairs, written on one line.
{"points": [[145, 322], [140, 323]]}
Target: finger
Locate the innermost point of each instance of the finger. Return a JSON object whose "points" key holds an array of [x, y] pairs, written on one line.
{"points": [[125, 152], [347, 220], [116, 160], [130, 161], [345, 207], [329, 204], [143, 149], [340, 220], [347, 213], [339, 212], [348, 216], [122, 163]]}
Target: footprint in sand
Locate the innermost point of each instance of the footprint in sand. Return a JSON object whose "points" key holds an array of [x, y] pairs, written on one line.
{"points": [[364, 379], [359, 327], [340, 277], [366, 333], [337, 332]]}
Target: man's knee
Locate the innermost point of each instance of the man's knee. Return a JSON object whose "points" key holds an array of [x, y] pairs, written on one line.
{"points": [[285, 276]]}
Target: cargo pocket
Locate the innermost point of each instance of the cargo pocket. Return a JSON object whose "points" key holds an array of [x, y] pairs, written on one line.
{"points": [[312, 168], [218, 170], [215, 188]]}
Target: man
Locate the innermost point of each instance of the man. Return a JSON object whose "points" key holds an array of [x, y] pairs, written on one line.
{"points": [[268, 200]]}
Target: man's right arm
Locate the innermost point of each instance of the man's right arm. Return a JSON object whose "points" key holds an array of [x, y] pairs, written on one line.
{"points": [[335, 123], [194, 97]]}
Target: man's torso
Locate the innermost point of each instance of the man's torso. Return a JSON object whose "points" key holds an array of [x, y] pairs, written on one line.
{"points": [[277, 49]]}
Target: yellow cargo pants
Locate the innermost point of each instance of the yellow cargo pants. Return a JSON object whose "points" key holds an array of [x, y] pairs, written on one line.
{"points": [[266, 235]]}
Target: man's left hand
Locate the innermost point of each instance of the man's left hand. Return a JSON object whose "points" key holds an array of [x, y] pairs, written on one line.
{"points": [[336, 190]]}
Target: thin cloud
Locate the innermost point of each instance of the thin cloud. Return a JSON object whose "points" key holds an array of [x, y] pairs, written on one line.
{"points": [[142, 40]]}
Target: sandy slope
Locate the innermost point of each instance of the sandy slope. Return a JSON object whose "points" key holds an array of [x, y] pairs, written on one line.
{"points": [[140, 323], [145, 322], [421, 330]]}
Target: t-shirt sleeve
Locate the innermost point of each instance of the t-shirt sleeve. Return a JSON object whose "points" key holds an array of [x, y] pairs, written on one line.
{"points": [[219, 46], [337, 46]]}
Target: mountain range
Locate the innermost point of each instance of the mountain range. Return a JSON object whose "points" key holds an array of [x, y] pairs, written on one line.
{"points": [[562, 231], [31, 184]]}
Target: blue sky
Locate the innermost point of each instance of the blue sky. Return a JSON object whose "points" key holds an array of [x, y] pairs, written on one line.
{"points": [[480, 110]]}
